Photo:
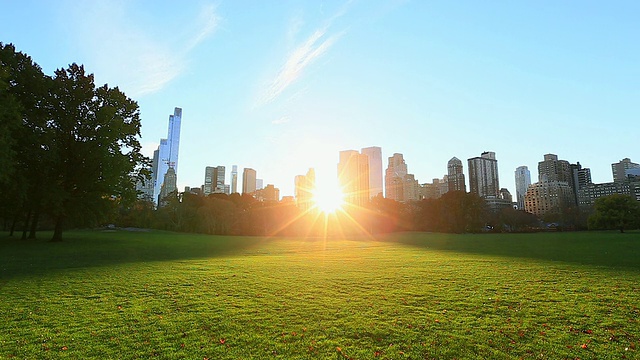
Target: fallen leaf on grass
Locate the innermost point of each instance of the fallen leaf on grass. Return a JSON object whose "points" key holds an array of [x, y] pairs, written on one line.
{"points": [[64, 348]]}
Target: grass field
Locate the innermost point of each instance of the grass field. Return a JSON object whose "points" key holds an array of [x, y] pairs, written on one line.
{"points": [[126, 295]]}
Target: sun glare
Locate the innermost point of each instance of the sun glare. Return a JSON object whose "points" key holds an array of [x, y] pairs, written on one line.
{"points": [[328, 198]]}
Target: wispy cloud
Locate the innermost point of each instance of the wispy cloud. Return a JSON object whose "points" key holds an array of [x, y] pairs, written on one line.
{"points": [[208, 22], [303, 54], [282, 120], [140, 59]]}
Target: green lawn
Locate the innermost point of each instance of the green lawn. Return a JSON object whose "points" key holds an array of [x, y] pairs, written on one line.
{"points": [[417, 296]]}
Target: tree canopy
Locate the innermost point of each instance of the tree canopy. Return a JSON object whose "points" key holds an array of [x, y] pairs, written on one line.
{"points": [[73, 148], [615, 212]]}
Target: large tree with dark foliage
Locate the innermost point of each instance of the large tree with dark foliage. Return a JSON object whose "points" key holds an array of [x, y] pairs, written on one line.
{"points": [[615, 212], [24, 136], [95, 147], [76, 153]]}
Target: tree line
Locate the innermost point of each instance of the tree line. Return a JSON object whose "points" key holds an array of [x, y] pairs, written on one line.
{"points": [[235, 214], [69, 150]]}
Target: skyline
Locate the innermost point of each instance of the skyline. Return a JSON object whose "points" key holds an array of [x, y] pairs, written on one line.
{"points": [[282, 87]]}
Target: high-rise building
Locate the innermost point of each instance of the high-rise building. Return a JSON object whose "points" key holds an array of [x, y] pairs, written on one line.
{"points": [[234, 179], [455, 175], [410, 188], [248, 181], [523, 180], [259, 184], [619, 169], [552, 169], [166, 155], [548, 197], [555, 190], [399, 184], [353, 177], [435, 189], [208, 180], [304, 187], [396, 170], [483, 175], [374, 153], [169, 185], [214, 180], [219, 175], [581, 177]]}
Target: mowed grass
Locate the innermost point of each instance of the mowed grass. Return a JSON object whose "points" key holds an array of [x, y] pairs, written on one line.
{"points": [[128, 295]]}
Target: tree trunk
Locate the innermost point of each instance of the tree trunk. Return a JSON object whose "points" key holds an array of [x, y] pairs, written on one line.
{"points": [[621, 230], [34, 224], [13, 225], [26, 225], [57, 232]]}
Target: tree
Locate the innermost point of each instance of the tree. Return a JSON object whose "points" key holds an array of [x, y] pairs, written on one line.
{"points": [[620, 212], [95, 148], [24, 148]]}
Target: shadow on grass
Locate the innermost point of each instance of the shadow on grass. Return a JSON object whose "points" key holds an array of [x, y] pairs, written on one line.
{"points": [[82, 249], [608, 249], [91, 248]]}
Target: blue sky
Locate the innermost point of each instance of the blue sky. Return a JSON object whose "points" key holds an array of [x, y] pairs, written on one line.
{"points": [[281, 86]]}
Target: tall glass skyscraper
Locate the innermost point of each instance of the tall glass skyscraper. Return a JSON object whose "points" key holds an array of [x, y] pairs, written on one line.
{"points": [[166, 155], [523, 180]]}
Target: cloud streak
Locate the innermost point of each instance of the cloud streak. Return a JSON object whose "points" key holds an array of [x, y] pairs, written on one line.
{"points": [[136, 58], [302, 56]]}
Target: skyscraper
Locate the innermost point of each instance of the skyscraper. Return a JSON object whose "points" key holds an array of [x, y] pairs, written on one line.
{"points": [[455, 175], [552, 169], [214, 180], [304, 188], [248, 181], [399, 184], [483, 175], [374, 153], [353, 177], [396, 170], [167, 153], [523, 180], [208, 180], [169, 185], [219, 175], [619, 169], [234, 179]]}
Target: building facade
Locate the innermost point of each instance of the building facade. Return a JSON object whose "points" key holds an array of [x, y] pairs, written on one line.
{"points": [[483, 175], [374, 153], [396, 170], [169, 186], [455, 173], [305, 186], [548, 197], [523, 180], [619, 169], [248, 181], [234, 179], [353, 177]]}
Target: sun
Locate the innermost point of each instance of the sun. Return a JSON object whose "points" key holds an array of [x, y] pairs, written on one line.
{"points": [[328, 198]]}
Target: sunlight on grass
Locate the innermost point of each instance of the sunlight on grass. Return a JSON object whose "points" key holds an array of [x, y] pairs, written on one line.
{"points": [[126, 295]]}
